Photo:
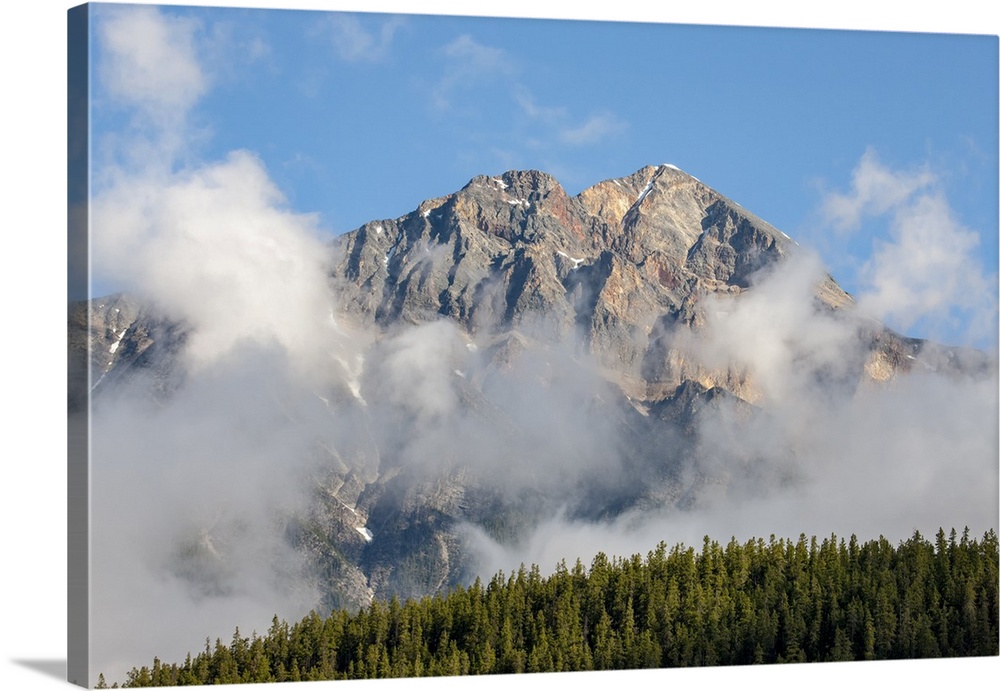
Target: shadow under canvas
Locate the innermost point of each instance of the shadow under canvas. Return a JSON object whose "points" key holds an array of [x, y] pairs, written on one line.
{"points": [[50, 668]]}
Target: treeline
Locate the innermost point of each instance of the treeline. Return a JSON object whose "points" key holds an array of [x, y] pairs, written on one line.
{"points": [[759, 602]]}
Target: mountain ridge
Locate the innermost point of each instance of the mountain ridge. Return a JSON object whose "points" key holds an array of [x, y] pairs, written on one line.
{"points": [[633, 255]]}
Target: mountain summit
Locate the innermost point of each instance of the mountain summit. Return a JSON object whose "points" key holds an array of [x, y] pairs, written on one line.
{"points": [[616, 268]]}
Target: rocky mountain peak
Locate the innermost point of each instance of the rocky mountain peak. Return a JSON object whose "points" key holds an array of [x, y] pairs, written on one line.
{"points": [[610, 267], [616, 199], [515, 206], [518, 185]]}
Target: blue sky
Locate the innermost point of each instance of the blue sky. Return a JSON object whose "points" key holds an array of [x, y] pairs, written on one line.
{"points": [[359, 116]]}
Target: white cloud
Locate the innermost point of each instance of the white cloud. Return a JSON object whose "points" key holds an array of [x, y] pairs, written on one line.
{"points": [[214, 248], [593, 130], [775, 330], [558, 118], [150, 62], [526, 100], [211, 243], [469, 64], [475, 56], [875, 190], [415, 371], [354, 43], [926, 273], [473, 65]]}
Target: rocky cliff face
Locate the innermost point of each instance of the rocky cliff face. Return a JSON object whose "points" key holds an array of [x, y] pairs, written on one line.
{"points": [[114, 338], [532, 352]]}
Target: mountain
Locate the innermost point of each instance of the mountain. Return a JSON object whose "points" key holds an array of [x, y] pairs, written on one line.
{"points": [[617, 267], [526, 354]]}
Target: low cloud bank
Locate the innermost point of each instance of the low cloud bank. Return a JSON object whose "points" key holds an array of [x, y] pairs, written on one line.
{"points": [[823, 450]]}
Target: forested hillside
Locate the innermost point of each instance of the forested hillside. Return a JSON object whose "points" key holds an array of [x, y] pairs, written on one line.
{"points": [[760, 602]]}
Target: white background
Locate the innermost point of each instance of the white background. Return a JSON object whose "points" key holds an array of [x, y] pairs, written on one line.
{"points": [[33, 256]]}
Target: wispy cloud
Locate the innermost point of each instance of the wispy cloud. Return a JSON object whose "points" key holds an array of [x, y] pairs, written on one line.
{"points": [[875, 190], [530, 107], [562, 125], [150, 60], [927, 271], [234, 51], [468, 64], [353, 41], [471, 65], [150, 63], [594, 130], [214, 247], [477, 57]]}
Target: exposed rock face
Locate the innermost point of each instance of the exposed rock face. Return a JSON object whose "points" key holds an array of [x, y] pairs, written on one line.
{"points": [[544, 291], [619, 266], [123, 339]]}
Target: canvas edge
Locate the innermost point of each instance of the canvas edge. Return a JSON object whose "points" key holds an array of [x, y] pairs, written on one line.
{"points": [[78, 287]]}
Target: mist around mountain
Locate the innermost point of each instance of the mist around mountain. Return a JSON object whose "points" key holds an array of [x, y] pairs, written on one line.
{"points": [[508, 374]]}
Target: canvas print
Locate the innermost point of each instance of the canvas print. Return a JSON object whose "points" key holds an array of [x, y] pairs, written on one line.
{"points": [[414, 345]]}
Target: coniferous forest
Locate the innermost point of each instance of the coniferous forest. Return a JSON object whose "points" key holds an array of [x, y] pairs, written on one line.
{"points": [[743, 603]]}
